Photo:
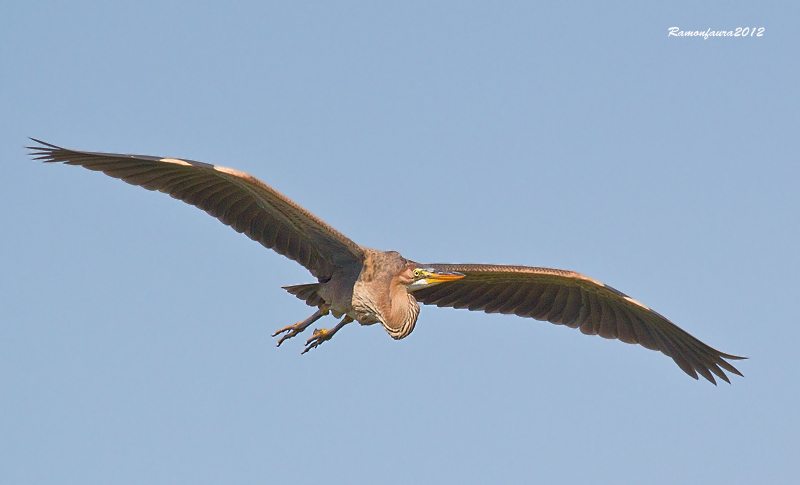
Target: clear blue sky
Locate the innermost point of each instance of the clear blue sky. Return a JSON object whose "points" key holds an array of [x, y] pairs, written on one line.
{"points": [[135, 330]]}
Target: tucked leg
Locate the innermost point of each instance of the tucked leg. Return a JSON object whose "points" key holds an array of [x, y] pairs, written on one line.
{"points": [[323, 335], [295, 329]]}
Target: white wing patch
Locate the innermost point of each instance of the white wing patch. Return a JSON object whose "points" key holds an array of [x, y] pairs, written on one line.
{"points": [[176, 161], [636, 303]]}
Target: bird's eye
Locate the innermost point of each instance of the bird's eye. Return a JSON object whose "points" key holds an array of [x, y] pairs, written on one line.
{"points": [[416, 273]]}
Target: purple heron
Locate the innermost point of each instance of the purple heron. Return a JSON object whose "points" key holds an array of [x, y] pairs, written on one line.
{"points": [[369, 286]]}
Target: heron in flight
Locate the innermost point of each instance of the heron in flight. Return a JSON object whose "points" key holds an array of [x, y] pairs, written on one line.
{"points": [[355, 283]]}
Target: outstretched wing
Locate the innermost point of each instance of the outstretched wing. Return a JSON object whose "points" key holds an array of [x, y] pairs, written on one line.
{"points": [[577, 301], [237, 199]]}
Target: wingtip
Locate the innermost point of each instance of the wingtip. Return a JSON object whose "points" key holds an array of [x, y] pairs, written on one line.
{"points": [[734, 357], [40, 142], [44, 151]]}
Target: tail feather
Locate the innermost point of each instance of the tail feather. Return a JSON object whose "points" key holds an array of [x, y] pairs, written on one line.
{"points": [[306, 292]]}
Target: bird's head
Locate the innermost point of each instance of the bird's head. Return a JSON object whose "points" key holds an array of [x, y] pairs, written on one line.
{"points": [[419, 277]]}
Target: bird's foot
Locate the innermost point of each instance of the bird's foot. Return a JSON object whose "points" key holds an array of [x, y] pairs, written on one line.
{"points": [[297, 328], [324, 334], [291, 331], [317, 339]]}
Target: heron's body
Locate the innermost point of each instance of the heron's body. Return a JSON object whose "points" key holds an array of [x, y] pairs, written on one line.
{"points": [[396, 309], [369, 286]]}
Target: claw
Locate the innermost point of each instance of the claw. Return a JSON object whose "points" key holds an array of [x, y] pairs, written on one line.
{"points": [[297, 328], [324, 334], [291, 331], [317, 339]]}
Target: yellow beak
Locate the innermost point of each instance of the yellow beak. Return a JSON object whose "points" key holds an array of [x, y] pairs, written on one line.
{"points": [[440, 276]]}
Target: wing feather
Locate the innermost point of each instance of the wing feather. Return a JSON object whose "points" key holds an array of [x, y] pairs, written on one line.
{"points": [[577, 301], [572, 308], [235, 198]]}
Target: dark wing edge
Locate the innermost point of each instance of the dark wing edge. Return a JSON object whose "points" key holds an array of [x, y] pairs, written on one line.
{"points": [[235, 198], [577, 301]]}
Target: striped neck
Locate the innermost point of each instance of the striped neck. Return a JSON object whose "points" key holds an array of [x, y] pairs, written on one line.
{"points": [[399, 322]]}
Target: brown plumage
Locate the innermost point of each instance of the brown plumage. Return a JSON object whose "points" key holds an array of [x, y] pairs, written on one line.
{"points": [[369, 286]]}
